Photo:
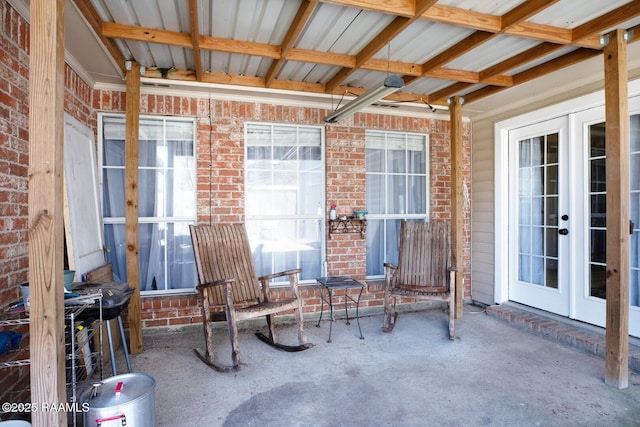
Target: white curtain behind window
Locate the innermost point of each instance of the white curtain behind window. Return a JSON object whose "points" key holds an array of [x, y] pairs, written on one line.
{"points": [[166, 201]]}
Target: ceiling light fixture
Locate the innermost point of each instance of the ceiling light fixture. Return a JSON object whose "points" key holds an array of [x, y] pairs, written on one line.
{"points": [[391, 84]]}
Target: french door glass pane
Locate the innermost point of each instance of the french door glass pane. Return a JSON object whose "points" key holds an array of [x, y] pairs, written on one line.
{"points": [[598, 211], [538, 210], [634, 294]]}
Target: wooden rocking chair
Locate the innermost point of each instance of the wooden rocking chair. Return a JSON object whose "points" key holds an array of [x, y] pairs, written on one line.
{"points": [[424, 270], [227, 279]]}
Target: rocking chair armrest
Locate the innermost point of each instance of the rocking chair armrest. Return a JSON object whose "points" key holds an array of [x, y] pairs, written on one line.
{"points": [[204, 289], [390, 271], [279, 274], [390, 265], [293, 282], [219, 282]]}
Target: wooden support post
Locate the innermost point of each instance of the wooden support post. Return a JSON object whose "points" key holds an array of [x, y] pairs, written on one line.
{"points": [[46, 232], [457, 201], [131, 204], [617, 174]]}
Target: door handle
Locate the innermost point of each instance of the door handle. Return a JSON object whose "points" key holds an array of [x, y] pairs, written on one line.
{"points": [[563, 231]]}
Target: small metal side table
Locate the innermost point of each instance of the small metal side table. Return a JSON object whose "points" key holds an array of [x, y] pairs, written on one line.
{"points": [[339, 282]]}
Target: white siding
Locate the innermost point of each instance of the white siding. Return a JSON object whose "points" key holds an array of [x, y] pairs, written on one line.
{"points": [[482, 217]]}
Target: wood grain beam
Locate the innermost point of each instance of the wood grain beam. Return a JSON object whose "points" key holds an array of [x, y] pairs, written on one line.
{"points": [[523, 12], [302, 17], [456, 149], [132, 121], [195, 37], [564, 61], [522, 58], [406, 8], [348, 62], [399, 24], [609, 20], [617, 166], [469, 43], [173, 38], [406, 11], [143, 34], [241, 47], [46, 230], [494, 24], [574, 57], [489, 75], [463, 18]]}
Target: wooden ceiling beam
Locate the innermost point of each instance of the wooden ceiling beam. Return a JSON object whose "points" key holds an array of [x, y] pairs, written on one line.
{"points": [[523, 12], [494, 24], [578, 55], [512, 23], [302, 17], [399, 24], [489, 75], [469, 43], [326, 58], [586, 31], [241, 47], [406, 8], [463, 18], [451, 53], [564, 61], [508, 20], [519, 59], [173, 38], [609, 20], [150, 35], [195, 37]]}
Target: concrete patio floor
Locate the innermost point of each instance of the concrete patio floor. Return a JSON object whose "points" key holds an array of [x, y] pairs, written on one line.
{"points": [[491, 375]]}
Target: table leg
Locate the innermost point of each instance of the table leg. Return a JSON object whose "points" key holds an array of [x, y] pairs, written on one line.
{"points": [[358, 314], [346, 300], [331, 317], [321, 306]]}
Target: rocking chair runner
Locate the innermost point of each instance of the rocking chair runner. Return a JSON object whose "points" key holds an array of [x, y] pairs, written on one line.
{"points": [[228, 279], [424, 270]]}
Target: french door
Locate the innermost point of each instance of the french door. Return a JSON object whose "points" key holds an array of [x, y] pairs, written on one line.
{"points": [[539, 216], [590, 293], [558, 216]]}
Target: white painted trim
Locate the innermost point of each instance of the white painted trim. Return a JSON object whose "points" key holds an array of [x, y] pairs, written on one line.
{"points": [[20, 6], [79, 69], [501, 216], [501, 175], [97, 38]]}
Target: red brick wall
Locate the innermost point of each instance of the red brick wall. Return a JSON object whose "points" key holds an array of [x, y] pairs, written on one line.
{"points": [[221, 176], [14, 164], [14, 152], [14, 160]]}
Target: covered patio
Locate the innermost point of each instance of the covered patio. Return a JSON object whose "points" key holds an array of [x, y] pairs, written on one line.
{"points": [[412, 377], [122, 74]]}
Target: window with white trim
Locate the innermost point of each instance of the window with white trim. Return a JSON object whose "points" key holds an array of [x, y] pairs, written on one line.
{"points": [[397, 168], [284, 188], [166, 200]]}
